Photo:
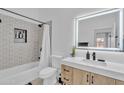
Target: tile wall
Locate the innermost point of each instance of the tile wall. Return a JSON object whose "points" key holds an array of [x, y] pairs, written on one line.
{"points": [[13, 54]]}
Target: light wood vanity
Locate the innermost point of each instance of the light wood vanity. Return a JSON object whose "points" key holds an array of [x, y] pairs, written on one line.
{"points": [[74, 76]]}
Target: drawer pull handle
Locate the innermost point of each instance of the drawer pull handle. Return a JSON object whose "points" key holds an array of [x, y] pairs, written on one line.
{"points": [[66, 70], [92, 80], [66, 79], [87, 78]]}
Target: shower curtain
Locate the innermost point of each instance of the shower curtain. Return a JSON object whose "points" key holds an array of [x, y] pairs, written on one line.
{"points": [[45, 53]]}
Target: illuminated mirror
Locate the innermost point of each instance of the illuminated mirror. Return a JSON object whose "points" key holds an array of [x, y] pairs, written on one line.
{"points": [[102, 30]]}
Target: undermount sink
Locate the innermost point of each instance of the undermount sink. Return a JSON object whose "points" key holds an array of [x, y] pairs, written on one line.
{"points": [[95, 62], [82, 60], [89, 60]]}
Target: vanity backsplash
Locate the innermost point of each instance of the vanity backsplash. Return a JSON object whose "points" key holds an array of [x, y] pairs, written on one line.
{"points": [[105, 55]]}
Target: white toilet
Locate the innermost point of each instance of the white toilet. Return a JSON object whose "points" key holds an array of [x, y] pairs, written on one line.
{"points": [[48, 75]]}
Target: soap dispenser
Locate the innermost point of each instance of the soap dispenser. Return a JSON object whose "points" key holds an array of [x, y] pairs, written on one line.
{"points": [[88, 55]]}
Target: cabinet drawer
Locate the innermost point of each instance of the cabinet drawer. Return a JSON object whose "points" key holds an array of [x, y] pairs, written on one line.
{"points": [[66, 69], [67, 79]]}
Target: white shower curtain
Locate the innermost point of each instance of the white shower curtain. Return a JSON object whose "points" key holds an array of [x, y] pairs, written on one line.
{"points": [[45, 53]]}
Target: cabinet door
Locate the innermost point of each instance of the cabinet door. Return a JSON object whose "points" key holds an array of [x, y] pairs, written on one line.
{"points": [[119, 82], [80, 77], [101, 80]]}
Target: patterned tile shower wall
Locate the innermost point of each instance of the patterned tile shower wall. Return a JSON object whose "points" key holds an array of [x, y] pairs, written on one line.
{"points": [[13, 54]]}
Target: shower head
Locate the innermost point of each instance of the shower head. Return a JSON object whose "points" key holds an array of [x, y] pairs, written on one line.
{"points": [[40, 25]]}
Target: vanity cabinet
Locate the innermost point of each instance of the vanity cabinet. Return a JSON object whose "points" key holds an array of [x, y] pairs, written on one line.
{"points": [[74, 76], [119, 82], [80, 77], [97, 79]]}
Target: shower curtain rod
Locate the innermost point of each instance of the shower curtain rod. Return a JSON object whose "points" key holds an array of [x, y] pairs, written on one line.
{"points": [[23, 16]]}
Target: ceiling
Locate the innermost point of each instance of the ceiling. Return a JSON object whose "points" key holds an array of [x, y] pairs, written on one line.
{"points": [[45, 14]]}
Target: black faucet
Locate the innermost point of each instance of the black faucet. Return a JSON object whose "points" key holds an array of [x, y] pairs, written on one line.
{"points": [[94, 56]]}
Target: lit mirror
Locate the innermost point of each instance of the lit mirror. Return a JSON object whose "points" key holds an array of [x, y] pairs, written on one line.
{"points": [[103, 30]]}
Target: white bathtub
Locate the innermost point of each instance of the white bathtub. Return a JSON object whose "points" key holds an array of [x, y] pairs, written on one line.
{"points": [[19, 75]]}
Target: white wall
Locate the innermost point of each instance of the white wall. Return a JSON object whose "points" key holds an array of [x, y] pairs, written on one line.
{"points": [[62, 28], [63, 32], [62, 24], [62, 37]]}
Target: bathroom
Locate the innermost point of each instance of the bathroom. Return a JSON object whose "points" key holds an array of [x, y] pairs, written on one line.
{"points": [[25, 33], [61, 46]]}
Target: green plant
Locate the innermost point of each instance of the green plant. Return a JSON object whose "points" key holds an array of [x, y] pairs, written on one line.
{"points": [[73, 52]]}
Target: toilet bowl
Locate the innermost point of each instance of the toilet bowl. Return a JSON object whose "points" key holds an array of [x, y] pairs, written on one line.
{"points": [[48, 75]]}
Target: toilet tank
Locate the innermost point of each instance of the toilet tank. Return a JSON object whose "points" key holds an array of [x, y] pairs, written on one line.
{"points": [[56, 61]]}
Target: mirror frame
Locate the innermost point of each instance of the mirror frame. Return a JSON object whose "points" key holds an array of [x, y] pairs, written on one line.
{"points": [[95, 14]]}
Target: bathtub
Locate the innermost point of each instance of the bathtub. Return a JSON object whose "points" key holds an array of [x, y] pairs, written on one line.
{"points": [[19, 75]]}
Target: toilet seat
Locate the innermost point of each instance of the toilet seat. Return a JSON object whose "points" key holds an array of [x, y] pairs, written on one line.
{"points": [[47, 72]]}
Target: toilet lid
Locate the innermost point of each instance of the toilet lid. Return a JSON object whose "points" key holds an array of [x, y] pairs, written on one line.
{"points": [[47, 71]]}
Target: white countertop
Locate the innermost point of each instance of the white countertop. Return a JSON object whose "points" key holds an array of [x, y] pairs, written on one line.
{"points": [[110, 69]]}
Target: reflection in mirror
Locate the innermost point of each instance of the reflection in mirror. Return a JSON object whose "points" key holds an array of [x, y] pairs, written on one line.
{"points": [[102, 31], [106, 38]]}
